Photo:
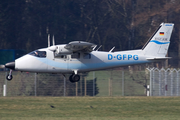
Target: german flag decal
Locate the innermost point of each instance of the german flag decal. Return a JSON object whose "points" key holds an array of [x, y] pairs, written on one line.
{"points": [[161, 33]]}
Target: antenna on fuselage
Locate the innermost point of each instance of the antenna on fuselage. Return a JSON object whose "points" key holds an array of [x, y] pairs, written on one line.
{"points": [[99, 47], [112, 49], [48, 40], [94, 47]]}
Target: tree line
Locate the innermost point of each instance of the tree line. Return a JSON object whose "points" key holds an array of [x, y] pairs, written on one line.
{"points": [[125, 24]]}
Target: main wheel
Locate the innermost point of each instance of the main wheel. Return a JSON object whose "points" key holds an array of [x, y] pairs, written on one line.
{"points": [[74, 78], [9, 77], [70, 78]]}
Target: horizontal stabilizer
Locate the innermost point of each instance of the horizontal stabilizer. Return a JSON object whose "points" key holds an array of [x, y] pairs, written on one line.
{"points": [[159, 58]]}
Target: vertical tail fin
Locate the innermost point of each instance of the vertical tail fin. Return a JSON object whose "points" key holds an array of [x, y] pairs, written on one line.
{"points": [[158, 44]]}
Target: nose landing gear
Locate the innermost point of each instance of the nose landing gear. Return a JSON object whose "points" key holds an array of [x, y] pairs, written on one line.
{"points": [[11, 66], [9, 76]]}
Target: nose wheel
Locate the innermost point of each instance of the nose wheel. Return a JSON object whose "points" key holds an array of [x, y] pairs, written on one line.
{"points": [[9, 76]]}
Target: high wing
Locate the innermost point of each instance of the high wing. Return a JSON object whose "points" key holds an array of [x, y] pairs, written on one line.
{"points": [[80, 46], [72, 47]]}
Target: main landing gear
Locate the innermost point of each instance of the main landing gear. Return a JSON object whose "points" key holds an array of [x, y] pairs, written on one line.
{"points": [[74, 78]]}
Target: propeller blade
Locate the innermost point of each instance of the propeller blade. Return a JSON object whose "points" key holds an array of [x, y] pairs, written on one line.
{"points": [[2, 66]]}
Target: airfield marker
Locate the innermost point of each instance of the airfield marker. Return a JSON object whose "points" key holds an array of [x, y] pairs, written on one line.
{"points": [[4, 90]]}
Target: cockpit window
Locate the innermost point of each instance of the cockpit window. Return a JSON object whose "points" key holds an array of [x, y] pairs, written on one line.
{"points": [[41, 54]]}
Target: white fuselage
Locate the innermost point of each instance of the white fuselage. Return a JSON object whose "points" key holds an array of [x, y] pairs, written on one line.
{"points": [[81, 62]]}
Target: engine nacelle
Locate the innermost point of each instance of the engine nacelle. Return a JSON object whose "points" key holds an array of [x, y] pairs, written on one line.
{"points": [[61, 50]]}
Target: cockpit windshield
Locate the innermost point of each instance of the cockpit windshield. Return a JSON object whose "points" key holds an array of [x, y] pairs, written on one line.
{"points": [[37, 53]]}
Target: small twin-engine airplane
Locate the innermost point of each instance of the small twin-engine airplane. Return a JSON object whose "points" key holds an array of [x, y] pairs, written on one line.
{"points": [[78, 56]]}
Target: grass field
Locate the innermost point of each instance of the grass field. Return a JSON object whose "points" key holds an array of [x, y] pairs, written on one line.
{"points": [[90, 108]]}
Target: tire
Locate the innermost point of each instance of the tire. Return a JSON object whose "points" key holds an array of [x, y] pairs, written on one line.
{"points": [[74, 78], [70, 78], [9, 77]]}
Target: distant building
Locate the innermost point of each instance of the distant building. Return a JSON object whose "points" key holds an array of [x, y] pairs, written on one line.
{"points": [[8, 55]]}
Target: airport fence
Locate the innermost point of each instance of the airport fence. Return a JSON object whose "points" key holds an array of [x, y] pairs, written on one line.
{"points": [[114, 82], [164, 82]]}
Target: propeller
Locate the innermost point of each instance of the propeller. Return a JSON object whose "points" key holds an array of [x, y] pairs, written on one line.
{"points": [[2, 66], [10, 65]]}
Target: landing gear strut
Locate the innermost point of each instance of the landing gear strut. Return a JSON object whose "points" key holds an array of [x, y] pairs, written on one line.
{"points": [[74, 78], [11, 66], [9, 76]]}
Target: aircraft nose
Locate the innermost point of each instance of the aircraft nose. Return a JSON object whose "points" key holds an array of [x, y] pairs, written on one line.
{"points": [[10, 65]]}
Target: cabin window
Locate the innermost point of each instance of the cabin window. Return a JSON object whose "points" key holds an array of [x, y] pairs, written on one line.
{"points": [[63, 56], [75, 56], [60, 56], [87, 56], [41, 54]]}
